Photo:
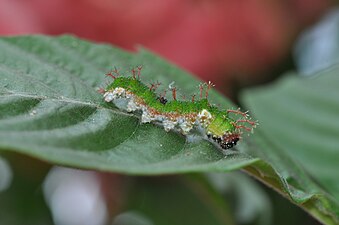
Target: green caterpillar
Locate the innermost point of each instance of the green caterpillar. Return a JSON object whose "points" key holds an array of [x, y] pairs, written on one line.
{"points": [[182, 116]]}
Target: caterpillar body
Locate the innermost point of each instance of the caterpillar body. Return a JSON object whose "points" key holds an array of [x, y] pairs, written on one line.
{"points": [[182, 116]]}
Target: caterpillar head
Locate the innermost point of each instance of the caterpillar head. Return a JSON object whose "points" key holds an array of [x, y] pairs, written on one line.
{"points": [[221, 129], [228, 140], [225, 131]]}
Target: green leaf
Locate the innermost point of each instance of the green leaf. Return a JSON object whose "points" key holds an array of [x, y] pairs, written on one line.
{"points": [[49, 109], [299, 130]]}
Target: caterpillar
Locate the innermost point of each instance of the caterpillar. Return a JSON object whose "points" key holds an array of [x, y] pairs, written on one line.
{"points": [[179, 115]]}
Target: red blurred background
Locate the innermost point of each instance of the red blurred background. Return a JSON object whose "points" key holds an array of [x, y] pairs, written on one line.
{"points": [[230, 42]]}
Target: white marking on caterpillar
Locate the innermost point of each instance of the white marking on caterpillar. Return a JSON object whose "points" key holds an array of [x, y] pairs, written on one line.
{"points": [[204, 117]]}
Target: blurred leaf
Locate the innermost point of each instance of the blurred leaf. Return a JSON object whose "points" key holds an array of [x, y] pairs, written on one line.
{"points": [[178, 200], [299, 118], [252, 204], [49, 109]]}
